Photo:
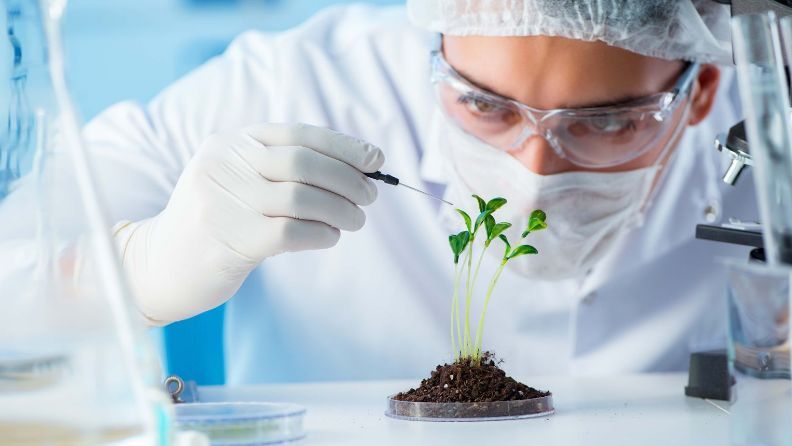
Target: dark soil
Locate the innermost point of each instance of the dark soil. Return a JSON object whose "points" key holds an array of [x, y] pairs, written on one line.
{"points": [[462, 382]]}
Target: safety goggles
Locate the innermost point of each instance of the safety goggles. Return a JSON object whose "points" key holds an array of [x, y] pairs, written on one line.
{"points": [[593, 137]]}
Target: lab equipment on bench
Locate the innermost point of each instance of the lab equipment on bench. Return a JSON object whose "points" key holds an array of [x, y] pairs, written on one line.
{"points": [[768, 85], [764, 91], [758, 321], [765, 95], [234, 423], [758, 292], [75, 366]]}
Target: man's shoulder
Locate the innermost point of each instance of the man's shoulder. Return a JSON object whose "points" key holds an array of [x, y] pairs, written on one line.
{"points": [[336, 31], [354, 68]]}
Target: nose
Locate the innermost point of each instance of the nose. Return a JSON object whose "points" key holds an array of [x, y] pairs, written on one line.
{"points": [[537, 155]]}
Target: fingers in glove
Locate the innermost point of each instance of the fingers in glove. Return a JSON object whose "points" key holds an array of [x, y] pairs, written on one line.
{"points": [[304, 165], [359, 154], [301, 235], [305, 202]]}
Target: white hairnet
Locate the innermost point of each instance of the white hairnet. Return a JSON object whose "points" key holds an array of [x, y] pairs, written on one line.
{"points": [[695, 30]]}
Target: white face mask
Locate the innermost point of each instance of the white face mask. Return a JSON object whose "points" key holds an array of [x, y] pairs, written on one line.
{"points": [[586, 211]]}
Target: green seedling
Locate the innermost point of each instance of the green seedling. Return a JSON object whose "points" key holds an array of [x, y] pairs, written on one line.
{"points": [[464, 346]]}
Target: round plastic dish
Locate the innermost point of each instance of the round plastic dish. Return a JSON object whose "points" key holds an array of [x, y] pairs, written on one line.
{"points": [[498, 410], [243, 424]]}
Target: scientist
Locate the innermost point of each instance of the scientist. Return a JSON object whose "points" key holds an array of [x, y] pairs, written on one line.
{"points": [[602, 113]]}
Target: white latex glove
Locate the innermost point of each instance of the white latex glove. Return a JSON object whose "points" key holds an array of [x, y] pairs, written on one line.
{"points": [[245, 196]]}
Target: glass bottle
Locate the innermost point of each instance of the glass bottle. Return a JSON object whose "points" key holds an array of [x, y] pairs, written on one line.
{"points": [[76, 366]]}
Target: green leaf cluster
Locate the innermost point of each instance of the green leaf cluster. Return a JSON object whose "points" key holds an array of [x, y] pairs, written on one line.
{"points": [[462, 244]]}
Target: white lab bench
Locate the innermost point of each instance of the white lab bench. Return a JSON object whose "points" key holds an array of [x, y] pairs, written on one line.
{"points": [[649, 409]]}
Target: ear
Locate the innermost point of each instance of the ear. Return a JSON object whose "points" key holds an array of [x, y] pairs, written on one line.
{"points": [[703, 95]]}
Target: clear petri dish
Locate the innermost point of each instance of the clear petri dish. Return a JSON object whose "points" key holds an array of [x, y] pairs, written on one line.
{"points": [[490, 411], [243, 424], [30, 370]]}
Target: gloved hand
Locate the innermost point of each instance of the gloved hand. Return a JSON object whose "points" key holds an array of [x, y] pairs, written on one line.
{"points": [[245, 196]]}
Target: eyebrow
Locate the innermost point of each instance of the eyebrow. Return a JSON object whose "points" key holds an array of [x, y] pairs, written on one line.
{"points": [[624, 100]]}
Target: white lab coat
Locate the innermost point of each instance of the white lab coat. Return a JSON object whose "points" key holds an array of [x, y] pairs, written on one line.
{"points": [[378, 304]]}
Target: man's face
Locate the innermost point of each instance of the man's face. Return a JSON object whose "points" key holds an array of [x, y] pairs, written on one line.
{"points": [[554, 72]]}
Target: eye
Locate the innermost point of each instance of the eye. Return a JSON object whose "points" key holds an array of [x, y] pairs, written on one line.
{"points": [[619, 127], [484, 108], [478, 105], [608, 124]]}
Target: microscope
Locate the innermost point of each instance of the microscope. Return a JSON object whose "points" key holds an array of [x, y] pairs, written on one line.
{"points": [[734, 144]]}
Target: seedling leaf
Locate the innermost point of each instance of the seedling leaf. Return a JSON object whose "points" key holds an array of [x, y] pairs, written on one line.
{"points": [[453, 241], [480, 219], [466, 217], [539, 225], [495, 204], [458, 243], [498, 229], [465, 237], [522, 250], [508, 246], [489, 223], [481, 203], [536, 222]]}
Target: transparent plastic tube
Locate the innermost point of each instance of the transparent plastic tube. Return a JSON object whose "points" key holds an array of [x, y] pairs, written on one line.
{"points": [[765, 97]]}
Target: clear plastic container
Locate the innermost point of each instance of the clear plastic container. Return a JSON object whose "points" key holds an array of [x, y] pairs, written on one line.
{"points": [[491, 411], [243, 424], [759, 359]]}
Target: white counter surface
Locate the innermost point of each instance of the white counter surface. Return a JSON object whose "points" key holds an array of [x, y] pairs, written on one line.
{"points": [[624, 410]]}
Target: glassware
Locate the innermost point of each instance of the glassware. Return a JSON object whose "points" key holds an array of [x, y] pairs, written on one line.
{"points": [[759, 361], [489, 411], [243, 423], [75, 367], [765, 96]]}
